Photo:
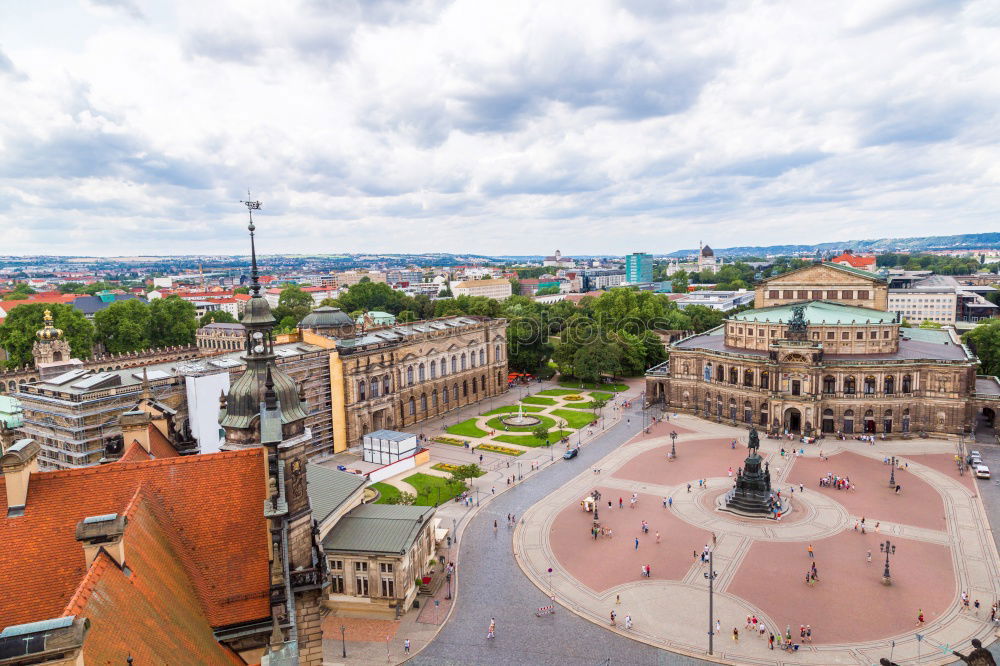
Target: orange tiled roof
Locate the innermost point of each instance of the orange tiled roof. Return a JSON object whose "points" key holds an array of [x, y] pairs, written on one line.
{"points": [[134, 453], [160, 446], [150, 612], [854, 260], [213, 510]]}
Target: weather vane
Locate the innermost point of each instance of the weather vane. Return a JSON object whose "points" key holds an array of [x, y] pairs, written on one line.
{"points": [[251, 207]]}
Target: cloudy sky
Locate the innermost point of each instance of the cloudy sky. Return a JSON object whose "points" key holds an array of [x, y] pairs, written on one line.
{"points": [[136, 126]]}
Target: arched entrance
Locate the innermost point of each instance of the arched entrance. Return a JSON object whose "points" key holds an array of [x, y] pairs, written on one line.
{"points": [[793, 420], [869, 421], [828, 423]]}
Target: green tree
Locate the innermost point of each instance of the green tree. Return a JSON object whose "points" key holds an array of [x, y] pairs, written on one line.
{"points": [[406, 316], [293, 302], [463, 472], [679, 282], [541, 432], [596, 359], [20, 292], [703, 318], [123, 326], [599, 404], [547, 291], [219, 317], [71, 287], [927, 323], [173, 322], [17, 334], [241, 290], [95, 287], [984, 340], [527, 344]]}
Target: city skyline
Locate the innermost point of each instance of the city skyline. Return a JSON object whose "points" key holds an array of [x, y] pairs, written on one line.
{"points": [[135, 127]]}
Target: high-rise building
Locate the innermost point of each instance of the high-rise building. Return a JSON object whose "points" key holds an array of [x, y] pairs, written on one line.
{"points": [[638, 268]]}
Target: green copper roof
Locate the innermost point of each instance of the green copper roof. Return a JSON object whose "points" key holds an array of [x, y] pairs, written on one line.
{"points": [[818, 312], [857, 271]]}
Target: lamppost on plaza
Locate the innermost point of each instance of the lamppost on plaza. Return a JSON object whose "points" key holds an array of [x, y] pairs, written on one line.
{"points": [[673, 442], [892, 472], [887, 548], [551, 593], [454, 532], [710, 575], [343, 641], [447, 577]]}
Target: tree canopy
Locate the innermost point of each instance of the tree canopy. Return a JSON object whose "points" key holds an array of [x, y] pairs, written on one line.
{"points": [[172, 322], [219, 317], [984, 340], [123, 326], [17, 334]]}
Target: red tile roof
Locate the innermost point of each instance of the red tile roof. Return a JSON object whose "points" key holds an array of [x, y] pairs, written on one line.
{"points": [[854, 260], [160, 446], [134, 453], [151, 611], [212, 506]]}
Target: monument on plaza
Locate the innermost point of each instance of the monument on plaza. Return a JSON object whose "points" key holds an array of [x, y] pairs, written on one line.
{"points": [[752, 493]]}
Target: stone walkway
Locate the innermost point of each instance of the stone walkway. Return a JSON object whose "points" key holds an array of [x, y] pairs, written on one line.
{"points": [[938, 522]]}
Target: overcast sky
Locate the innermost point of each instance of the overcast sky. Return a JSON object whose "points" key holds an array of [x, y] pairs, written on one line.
{"points": [[136, 126]]}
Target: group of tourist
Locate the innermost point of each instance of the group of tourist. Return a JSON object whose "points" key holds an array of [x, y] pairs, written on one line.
{"points": [[837, 482]]}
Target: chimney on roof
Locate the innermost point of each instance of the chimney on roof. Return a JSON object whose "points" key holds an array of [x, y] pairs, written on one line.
{"points": [[18, 463], [105, 533], [135, 428]]}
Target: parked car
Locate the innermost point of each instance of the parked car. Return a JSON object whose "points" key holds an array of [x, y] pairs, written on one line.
{"points": [[982, 472], [975, 460], [975, 454], [570, 454]]}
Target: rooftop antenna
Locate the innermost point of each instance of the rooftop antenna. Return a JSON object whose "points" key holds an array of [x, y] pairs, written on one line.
{"points": [[254, 277]]}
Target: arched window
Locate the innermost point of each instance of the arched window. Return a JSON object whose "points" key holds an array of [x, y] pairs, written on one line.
{"points": [[720, 373], [482, 357], [465, 389], [829, 384], [373, 386], [409, 376], [482, 382], [385, 385], [463, 361], [474, 385], [454, 392], [890, 385], [444, 367], [718, 405], [434, 366], [444, 395], [434, 399], [423, 402], [763, 414], [454, 364], [849, 385], [734, 376], [869, 385], [906, 420], [887, 421], [708, 405], [748, 378], [765, 379], [828, 422], [747, 412], [499, 379], [421, 372], [472, 358], [732, 408], [907, 384], [413, 406], [849, 421], [361, 390], [496, 353]]}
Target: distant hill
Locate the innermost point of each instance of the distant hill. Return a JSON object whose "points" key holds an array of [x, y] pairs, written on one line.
{"points": [[918, 244]]}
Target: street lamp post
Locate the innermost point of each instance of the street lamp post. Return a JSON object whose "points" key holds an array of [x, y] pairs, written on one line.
{"points": [[673, 442], [887, 548], [892, 472], [447, 577], [710, 575], [519, 476], [343, 641]]}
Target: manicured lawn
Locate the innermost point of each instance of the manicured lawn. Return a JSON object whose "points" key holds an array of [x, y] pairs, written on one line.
{"points": [[557, 392], [580, 405], [500, 427], [574, 419], [507, 409], [531, 440], [535, 400], [591, 385], [386, 492], [466, 428], [604, 396], [427, 489]]}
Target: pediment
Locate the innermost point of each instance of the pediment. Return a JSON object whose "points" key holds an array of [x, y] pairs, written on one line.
{"points": [[820, 274]]}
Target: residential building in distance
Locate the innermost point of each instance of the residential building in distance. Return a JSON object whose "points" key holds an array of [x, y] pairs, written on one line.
{"points": [[318, 294], [826, 365], [376, 318], [499, 289], [944, 300], [349, 278], [848, 258], [638, 268], [717, 300], [596, 279]]}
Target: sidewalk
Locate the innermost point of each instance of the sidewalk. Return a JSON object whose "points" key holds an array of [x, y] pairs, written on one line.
{"points": [[366, 640]]}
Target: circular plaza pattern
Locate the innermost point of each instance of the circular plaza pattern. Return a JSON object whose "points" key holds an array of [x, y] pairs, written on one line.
{"points": [[936, 523]]}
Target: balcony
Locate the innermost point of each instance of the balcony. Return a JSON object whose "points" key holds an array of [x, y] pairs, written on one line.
{"points": [[307, 579]]}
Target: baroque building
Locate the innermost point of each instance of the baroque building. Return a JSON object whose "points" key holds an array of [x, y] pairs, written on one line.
{"points": [[819, 353]]}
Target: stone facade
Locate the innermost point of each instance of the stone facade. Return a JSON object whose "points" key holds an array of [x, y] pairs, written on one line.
{"points": [[849, 370], [830, 282]]}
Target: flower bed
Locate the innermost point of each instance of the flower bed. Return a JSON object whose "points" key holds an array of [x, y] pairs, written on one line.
{"points": [[573, 397], [450, 440], [507, 451], [448, 467]]}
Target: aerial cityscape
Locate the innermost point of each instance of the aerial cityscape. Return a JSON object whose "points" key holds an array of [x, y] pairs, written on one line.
{"points": [[440, 332]]}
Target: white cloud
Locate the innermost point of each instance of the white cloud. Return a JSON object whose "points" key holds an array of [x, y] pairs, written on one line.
{"points": [[134, 126]]}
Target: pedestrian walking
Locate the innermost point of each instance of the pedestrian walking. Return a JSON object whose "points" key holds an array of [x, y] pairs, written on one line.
{"points": [[869, 557], [810, 549], [621, 503], [406, 646], [618, 599], [736, 635], [802, 487], [613, 616], [975, 605], [809, 633], [689, 487], [494, 528], [657, 537], [637, 543], [492, 631], [664, 502], [713, 540], [628, 621], [770, 641], [670, 500], [718, 626], [920, 617]]}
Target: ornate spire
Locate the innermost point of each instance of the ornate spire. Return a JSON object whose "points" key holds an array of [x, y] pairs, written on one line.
{"points": [[48, 330], [254, 276], [147, 394]]}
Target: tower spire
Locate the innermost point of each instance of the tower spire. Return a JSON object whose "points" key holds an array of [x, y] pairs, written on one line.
{"points": [[254, 276]]}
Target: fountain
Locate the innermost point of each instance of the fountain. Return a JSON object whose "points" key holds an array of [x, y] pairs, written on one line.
{"points": [[521, 419], [752, 495]]}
